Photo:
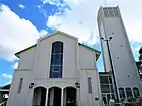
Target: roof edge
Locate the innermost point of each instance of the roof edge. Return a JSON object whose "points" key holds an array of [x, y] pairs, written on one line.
{"points": [[18, 53], [97, 52]]}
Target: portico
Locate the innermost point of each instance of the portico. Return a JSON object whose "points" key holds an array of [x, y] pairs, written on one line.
{"points": [[55, 96]]}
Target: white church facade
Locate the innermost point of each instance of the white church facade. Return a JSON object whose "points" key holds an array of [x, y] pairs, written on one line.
{"points": [[55, 71]]}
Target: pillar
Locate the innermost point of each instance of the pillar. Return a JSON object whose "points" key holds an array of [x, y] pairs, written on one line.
{"points": [[78, 97], [65, 97], [46, 102], [62, 97], [51, 97]]}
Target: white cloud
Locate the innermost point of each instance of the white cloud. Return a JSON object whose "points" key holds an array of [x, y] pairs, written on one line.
{"points": [[21, 6], [81, 20], [52, 2], [16, 33], [8, 76], [43, 32], [15, 65]]}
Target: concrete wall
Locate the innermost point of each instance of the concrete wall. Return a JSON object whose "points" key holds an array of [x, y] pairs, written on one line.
{"points": [[123, 61], [15, 98], [86, 98], [87, 58], [26, 59], [43, 57], [106, 59]]}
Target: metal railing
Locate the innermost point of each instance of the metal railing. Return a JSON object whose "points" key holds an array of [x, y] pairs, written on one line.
{"points": [[124, 104]]}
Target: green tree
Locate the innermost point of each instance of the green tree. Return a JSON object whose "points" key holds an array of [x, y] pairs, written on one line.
{"points": [[6, 86]]}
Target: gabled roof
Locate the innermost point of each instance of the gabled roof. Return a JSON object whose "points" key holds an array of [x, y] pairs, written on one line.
{"points": [[62, 33], [90, 48], [58, 32]]}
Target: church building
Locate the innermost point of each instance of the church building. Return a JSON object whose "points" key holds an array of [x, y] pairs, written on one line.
{"points": [[57, 71]]}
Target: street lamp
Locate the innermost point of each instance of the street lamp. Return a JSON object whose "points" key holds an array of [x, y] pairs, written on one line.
{"points": [[112, 69]]}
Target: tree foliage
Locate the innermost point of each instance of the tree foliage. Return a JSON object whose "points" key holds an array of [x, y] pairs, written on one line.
{"points": [[6, 86]]}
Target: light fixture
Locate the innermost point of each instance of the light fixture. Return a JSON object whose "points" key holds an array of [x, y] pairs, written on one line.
{"points": [[31, 85], [77, 85]]}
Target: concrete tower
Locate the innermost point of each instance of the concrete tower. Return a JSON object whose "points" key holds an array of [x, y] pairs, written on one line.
{"points": [[117, 54]]}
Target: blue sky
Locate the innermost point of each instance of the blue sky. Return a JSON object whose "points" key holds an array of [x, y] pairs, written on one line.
{"points": [[22, 22]]}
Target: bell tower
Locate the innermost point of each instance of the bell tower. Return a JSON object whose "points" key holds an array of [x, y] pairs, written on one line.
{"points": [[117, 54]]}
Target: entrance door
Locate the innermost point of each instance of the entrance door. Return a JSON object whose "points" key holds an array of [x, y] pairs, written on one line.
{"points": [[54, 96], [39, 96], [70, 96]]}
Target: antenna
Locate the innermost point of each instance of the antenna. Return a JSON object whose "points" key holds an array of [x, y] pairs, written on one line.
{"points": [[109, 3], [105, 2]]}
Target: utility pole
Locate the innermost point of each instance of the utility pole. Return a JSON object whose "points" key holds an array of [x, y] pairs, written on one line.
{"points": [[112, 69]]}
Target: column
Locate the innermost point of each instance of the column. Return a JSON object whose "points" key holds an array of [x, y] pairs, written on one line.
{"points": [[78, 97], [46, 102], [30, 97], [52, 97], [62, 97], [65, 97]]}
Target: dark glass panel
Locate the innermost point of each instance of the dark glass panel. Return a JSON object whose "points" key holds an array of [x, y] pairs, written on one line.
{"points": [[105, 89], [121, 92], [57, 47], [129, 92], [104, 80], [136, 92]]}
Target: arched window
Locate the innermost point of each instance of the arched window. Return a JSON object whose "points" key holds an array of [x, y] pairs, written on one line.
{"points": [[136, 92], [121, 92], [129, 92], [56, 60]]}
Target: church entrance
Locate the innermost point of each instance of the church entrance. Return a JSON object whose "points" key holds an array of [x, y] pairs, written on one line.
{"points": [[70, 97], [39, 96], [54, 96]]}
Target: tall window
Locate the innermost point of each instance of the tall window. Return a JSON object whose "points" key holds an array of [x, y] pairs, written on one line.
{"points": [[56, 60], [122, 92], [136, 92], [20, 85], [129, 92], [89, 85]]}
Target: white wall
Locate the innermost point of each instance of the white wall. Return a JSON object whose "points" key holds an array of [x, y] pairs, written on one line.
{"points": [[42, 64], [87, 98], [104, 48], [87, 58], [123, 61], [15, 98], [26, 59]]}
